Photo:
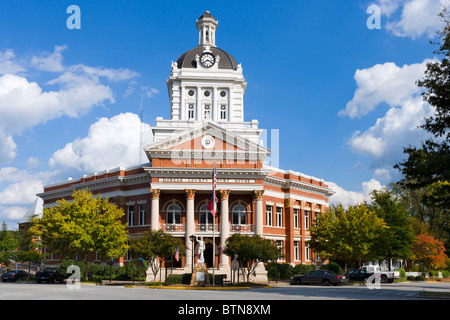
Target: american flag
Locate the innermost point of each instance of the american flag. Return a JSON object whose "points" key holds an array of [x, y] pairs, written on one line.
{"points": [[177, 253], [214, 200]]}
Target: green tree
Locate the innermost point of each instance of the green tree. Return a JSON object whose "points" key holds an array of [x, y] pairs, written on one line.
{"points": [[86, 226], [397, 240], [28, 248], [427, 217], [430, 164], [8, 245], [155, 246], [251, 250], [348, 235]]}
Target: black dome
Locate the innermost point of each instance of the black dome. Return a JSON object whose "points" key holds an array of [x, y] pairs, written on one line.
{"points": [[187, 59], [207, 14]]}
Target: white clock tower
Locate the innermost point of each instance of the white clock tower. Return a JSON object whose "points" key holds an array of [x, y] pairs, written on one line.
{"points": [[206, 85]]}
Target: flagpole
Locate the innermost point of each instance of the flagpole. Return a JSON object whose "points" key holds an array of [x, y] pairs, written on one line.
{"points": [[214, 225]]}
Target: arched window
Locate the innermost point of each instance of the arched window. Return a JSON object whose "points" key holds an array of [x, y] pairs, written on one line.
{"points": [[173, 214], [239, 215], [205, 215]]}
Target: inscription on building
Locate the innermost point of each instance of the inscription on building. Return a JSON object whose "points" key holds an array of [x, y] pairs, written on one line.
{"points": [[194, 180]]}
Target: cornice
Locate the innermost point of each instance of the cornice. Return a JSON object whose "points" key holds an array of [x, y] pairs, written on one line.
{"points": [[159, 172], [298, 185]]}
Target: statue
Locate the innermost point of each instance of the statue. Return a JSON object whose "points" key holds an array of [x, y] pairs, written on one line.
{"points": [[201, 249]]}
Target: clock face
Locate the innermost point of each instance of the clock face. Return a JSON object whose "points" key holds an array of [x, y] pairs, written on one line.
{"points": [[207, 60]]}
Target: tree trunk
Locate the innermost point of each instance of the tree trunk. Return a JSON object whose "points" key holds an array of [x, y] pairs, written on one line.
{"points": [[86, 265]]}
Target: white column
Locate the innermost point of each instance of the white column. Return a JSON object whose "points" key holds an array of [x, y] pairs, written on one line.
{"points": [[215, 108], [154, 219], [258, 194], [224, 226], [189, 229]]}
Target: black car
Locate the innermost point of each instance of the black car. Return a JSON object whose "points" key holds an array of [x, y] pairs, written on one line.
{"points": [[50, 275], [14, 275], [325, 277]]}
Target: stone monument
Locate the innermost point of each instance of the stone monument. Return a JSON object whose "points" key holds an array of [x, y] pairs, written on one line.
{"points": [[200, 275]]}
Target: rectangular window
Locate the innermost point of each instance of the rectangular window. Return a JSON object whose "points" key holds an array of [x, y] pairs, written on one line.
{"points": [[190, 111], [207, 111], [307, 252], [130, 216], [142, 210], [279, 217], [295, 218], [296, 250], [269, 215], [307, 220], [223, 112], [279, 245]]}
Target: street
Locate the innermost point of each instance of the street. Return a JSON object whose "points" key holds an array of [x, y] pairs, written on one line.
{"points": [[396, 291]]}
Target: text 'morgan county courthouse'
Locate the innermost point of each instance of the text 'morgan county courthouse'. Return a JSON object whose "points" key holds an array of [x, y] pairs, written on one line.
{"points": [[206, 91]]}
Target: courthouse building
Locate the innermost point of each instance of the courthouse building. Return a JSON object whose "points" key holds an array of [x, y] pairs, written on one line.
{"points": [[206, 90]]}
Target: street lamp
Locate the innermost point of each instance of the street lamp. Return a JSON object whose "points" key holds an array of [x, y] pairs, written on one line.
{"points": [[192, 238]]}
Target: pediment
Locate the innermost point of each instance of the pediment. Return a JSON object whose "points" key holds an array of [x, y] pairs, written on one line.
{"points": [[208, 141]]}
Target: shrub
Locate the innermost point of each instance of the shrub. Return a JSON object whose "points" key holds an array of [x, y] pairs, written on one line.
{"points": [[333, 266], [420, 278], [445, 273], [186, 278], [180, 279], [64, 265], [302, 269], [410, 278], [174, 279], [97, 279], [217, 279], [402, 273], [285, 270], [138, 269], [434, 273]]}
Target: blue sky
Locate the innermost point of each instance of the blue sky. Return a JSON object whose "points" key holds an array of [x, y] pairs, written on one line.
{"points": [[342, 96]]}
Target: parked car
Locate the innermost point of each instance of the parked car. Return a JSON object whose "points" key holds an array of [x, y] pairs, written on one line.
{"points": [[325, 277], [50, 275], [14, 275], [365, 272]]}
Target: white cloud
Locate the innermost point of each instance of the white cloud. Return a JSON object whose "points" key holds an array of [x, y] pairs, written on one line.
{"points": [[383, 83], [110, 143], [21, 192], [382, 174], [24, 104], [33, 162], [348, 198], [12, 213], [417, 17], [120, 74], [51, 62], [395, 87], [8, 148], [150, 92], [384, 141], [8, 63]]}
